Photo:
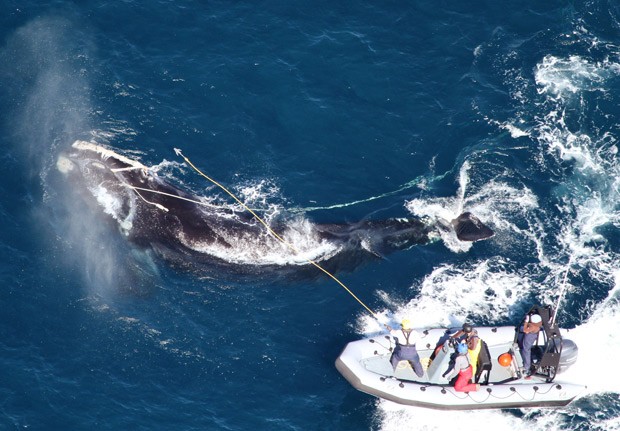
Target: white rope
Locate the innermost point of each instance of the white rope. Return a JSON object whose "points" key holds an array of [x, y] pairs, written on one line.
{"points": [[563, 289], [172, 196], [161, 207], [130, 168]]}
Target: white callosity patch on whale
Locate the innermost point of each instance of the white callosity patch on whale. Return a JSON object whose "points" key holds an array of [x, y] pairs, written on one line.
{"points": [[106, 153], [64, 165]]}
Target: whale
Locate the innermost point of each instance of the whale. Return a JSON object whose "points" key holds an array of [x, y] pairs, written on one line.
{"points": [[191, 231]]}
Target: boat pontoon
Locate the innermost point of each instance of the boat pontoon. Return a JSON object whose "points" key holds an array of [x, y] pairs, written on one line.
{"points": [[366, 365]]}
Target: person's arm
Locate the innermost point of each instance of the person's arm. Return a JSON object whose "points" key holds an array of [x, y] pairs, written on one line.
{"points": [[531, 327], [458, 365], [457, 334], [449, 375], [395, 334], [451, 371]]}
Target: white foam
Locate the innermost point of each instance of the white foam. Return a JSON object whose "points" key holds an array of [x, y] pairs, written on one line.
{"points": [[258, 193], [589, 196], [444, 300], [112, 204], [599, 347], [494, 203], [250, 248], [563, 77], [395, 417], [515, 132], [452, 294], [571, 253]]}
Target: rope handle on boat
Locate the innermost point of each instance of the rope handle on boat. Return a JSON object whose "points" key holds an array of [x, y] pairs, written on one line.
{"points": [[514, 391], [278, 237]]}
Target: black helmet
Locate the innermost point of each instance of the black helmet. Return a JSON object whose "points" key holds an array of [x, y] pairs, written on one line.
{"points": [[467, 328]]}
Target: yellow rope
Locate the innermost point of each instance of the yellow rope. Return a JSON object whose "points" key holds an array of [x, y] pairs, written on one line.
{"points": [[271, 231]]}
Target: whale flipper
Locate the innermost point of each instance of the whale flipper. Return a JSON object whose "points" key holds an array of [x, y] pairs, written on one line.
{"points": [[469, 228]]}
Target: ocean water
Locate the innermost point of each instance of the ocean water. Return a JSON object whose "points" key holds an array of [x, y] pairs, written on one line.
{"points": [[331, 111]]}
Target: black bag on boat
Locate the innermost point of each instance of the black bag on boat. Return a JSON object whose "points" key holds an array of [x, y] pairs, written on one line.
{"points": [[483, 364]]}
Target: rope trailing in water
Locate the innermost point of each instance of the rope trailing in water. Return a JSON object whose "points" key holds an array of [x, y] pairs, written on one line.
{"points": [[272, 232], [408, 185], [563, 289]]}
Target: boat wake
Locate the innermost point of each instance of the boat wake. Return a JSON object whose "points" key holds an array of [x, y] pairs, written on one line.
{"points": [[563, 236]]}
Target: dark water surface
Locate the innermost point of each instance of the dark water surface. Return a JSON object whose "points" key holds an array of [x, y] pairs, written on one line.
{"points": [[334, 112]]}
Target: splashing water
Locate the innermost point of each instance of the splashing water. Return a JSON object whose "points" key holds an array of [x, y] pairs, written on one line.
{"points": [[569, 250]]}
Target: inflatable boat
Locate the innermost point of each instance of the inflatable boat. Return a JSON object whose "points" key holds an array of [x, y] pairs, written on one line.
{"points": [[503, 381]]}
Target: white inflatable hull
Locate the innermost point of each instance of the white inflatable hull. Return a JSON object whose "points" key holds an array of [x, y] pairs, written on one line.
{"points": [[365, 364]]}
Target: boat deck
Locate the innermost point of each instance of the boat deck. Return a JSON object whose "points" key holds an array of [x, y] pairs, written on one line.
{"points": [[434, 370], [366, 365]]}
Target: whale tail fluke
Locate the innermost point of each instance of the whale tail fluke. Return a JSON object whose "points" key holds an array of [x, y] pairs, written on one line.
{"points": [[469, 228], [380, 237]]}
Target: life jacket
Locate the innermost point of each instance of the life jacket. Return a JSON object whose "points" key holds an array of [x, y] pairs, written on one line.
{"points": [[473, 353]]}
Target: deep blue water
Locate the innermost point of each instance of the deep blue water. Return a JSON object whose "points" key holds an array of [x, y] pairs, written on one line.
{"points": [[335, 111]]}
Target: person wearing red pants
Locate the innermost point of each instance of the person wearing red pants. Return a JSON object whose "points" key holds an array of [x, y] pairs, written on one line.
{"points": [[463, 368]]}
